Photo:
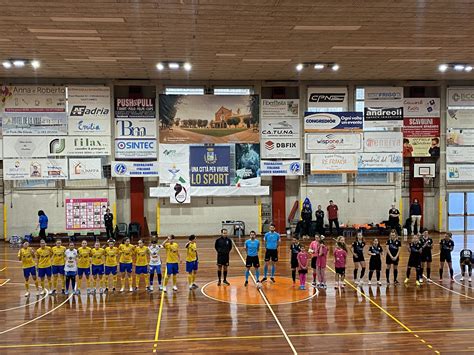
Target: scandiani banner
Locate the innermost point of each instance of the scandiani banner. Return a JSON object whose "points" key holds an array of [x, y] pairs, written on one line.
{"points": [[329, 121], [281, 167]]}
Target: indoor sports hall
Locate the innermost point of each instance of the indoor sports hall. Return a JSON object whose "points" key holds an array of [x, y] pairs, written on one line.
{"points": [[269, 176]]}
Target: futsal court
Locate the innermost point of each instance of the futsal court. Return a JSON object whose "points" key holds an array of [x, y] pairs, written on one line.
{"points": [[236, 319]]}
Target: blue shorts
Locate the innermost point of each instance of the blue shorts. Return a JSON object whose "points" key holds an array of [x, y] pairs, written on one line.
{"points": [[141, 270], [111, 270], [172, 268], [126, 267], [97, 270], [29, 271], [83, 271], [58, 269], [44, 271], [191, 266], [71, 273], [155, 269]]}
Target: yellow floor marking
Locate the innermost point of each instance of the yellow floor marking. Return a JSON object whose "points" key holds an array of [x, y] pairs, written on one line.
{"points": [[4, 282], [158, 321], [3, 269]]}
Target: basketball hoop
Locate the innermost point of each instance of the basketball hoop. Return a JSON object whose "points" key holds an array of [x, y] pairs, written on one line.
{"points": [[427, 180]]}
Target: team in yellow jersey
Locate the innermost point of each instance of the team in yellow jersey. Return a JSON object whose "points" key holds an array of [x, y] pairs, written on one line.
{"points": [[191, 261], [172, 261], [126, 251], [84, 254], [141, 264], [27, 257], [98, 261], [58, 262], [44, 254], [111, 254]]}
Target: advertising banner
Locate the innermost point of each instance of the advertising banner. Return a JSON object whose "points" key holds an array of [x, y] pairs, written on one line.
{"points": [[180, 193], [461, 96], [173, 162], [460, 137], [135, 148], [281, 149], [85, 213], [26, 146], [328, 97], [85, 168], [388, 96], [209, 119], [331, 121], [89, 110], [460, 119], [135, 108], [35, 169], [281, 167], [210, 165], [380, 162], [333, 142], [34, 110], [460, 154], [279, 108], [135, 169], [375, 142], [421, 137], [459, 173], [383, 117], [280, 128], [421, 107], [333, 163], [135, 128], [80, 146], [247, 164]]}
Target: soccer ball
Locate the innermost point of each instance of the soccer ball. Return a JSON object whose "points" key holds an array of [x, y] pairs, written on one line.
{"points": [[259, 285]]}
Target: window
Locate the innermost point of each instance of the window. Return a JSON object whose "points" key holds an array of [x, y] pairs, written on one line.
{"points": [[326, 109], [327, 179], [233, 91], [371, 178], [360, 97], [184, 91]]}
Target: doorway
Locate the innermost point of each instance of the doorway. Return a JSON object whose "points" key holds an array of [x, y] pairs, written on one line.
{"points": [[461, 212]]}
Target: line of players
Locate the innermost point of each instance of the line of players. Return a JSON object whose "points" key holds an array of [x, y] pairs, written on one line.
{"points": [[58, 263]]}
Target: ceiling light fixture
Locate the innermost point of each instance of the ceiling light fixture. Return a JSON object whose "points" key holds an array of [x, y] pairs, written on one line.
{"points": [[319, 66], [443, 67], [35, 64], [468, 68], [18, 63], [187, 66], [299, 67], [173, 65], [6, 64], [160, 66], [335, 67], [458, 67]]}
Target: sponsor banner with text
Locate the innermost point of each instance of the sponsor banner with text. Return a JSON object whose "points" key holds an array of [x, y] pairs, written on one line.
{"points": [[333, 142], [328, 97], [459, 173], [460, 137], [280, 128], [380, 162], [421, 137], [85, 168], [135, 128], [135, 148], [35, 169], [461, 96], [383, 96], [280, 108], [281, 148], [332, 121], [26, 146], [281, 167], [421, 107], [127, 107], [134, 169], [210, 165], [383, 142], [383, 117], [80, 146], [460, 155], [460, 119], [333, 163], [89, 110], [173, 162]]}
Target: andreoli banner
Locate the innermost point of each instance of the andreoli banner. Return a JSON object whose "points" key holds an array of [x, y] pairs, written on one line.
{"points": [[383, 117], [330, 121], [332, 142]]}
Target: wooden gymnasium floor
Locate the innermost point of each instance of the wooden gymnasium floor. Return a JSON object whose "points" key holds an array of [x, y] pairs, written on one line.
{"points": [[436, 318]]}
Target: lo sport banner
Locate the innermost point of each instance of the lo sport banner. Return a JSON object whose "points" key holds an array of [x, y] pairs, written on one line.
{"points": [[210, 165]]}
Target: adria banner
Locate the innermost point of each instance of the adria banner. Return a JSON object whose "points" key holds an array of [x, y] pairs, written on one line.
{"points": [[331, 121]]}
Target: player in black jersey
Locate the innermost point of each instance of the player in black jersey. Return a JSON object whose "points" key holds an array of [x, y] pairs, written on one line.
{"points": [[465, 260], [375, 262], [358, 258], [393, 256], [446, 246], [295, 248], [415, 248], [426, 255]]}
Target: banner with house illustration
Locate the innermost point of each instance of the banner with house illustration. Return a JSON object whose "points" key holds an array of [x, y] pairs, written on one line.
{"points": [[191, 119]]}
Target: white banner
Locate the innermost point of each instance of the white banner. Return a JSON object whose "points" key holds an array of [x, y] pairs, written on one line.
{"points": [[85, 168], [383, 142], [461, 96], [134, 169], [387, 96], [280, 108], [180, 193], [459, 173], [26, 147], [280, 148], [80, 146], [380, 162], [333, 163], [460, 119], [460, 154], [280, 128], [221, 191], [281, 167], [173, 162], [328, 97], [135, 128], [35, 169], [333, 142], [89, 110], [421, 107], [383, 117], [460, 137], [135, 148]]}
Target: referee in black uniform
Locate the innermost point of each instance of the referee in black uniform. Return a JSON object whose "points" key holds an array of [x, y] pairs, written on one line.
{"points": [[223, 247]]}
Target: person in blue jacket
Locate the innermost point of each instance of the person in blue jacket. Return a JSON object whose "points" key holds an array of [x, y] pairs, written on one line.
{"points": [[42, 224]]}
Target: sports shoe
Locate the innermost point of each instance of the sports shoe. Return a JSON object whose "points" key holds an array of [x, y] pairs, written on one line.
{"points": [[101, 290], [88, 291], [164, 289], [264, 279], [151, 287], [379, 283], [161, 288], [461, 279], [148, 289], [136, 289], [113, 289], [361, 282], [66, 292], [429, 280], [343, 285], [246, 283], [122, 289], [63, 291], [407, 279], [218, 283], [396, 282], [27, 294], [131, 289], [418, 283], [78, 292], [191, 287], [175, 288], [451, 279], [369, 282], [196, 286], [225, 282], [440, 280], [421, 281], [336, 286], [273, 280], [470, 280], [313, 284], [94, 291], [50, 292], [106, 290]]}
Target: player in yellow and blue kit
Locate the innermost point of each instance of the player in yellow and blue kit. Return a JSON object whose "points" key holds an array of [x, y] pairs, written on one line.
{"points": [[84, 266], [141, 264], [172, 261], [26, 255], [126, 251], [191, 261], [59, 259], [44, 254], [98, 254], [111, 254]]}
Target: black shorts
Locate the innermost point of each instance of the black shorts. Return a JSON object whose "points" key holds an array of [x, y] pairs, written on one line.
{"points": [[426, 257], [357, 258], [223, 259], [252, 261], [465, 261], [303, 271], [445, 257], [390, 261], [375, 263], [313, 262], [414, 261], [294, 262], [271, 254], [340, 270]]}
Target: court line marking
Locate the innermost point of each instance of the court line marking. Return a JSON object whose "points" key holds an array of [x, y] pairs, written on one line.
{"points": [[3, 283], [158, 321], [37, 318], [26, 304], [459, 283], [3, 269], [452, 291], [267, 303], [391, 316]]}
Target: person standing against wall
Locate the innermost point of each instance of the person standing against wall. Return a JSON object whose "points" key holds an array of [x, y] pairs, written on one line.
{"points": [[415, 215], [319, 221], [333, 217], [223, 246], [42, 224], [109, 224], [306, 217], [394, 219]]}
